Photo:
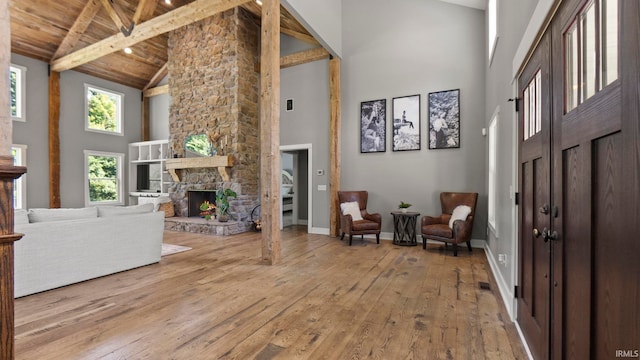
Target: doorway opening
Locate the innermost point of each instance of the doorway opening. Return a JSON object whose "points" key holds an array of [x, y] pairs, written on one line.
{"points": [[295, 186]]}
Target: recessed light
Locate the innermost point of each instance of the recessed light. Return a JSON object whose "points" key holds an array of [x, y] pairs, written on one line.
{"points": [[168, 2], [127, 50], [259, 2]]}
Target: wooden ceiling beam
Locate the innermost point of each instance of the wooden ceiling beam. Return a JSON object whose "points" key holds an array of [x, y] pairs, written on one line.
{"points": [[300, 36], [158, 90], [159, 75], [119, 18], [78, 28], [301, 57], [144, 11], [169, 21]]}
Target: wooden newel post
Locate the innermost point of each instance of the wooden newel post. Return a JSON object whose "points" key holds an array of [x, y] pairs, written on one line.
{"points": [[8, 172]]}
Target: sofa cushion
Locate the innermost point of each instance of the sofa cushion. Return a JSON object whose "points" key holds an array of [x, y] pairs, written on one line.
{"points": [[364, 225], [106, 211], [47, 215], [441, 230], [353, 209], [20, 216]]}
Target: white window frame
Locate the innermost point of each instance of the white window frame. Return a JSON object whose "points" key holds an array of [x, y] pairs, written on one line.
{"points": [[492, 190], [21, 91], [119, 111], [119, 175], [492, 27], [20, 184]]}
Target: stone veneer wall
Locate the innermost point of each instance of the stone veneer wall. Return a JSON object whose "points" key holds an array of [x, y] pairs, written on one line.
{"points": [[214, 88]]}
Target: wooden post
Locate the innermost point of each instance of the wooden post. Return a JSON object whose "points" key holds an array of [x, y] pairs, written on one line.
{"points": [[146, 133], [8, 172], [270, 130], [54, 139], [334, 146]]}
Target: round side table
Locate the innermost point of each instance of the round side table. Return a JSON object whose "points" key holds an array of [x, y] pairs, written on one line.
{"points": [[404, 228]]}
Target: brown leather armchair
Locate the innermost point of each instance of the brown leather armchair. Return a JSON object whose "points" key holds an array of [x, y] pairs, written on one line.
{"points": [[370, 223], [437, 228]]}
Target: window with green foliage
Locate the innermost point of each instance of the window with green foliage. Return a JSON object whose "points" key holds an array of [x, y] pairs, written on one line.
{"points": [[17, 91], [19, 153], [104, 110], [103, 178]]}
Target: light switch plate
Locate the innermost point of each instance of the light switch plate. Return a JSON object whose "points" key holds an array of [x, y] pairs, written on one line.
{"points": [[322, 187]]}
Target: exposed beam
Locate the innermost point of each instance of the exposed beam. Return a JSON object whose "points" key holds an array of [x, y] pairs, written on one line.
{"points": [[159, 75], [158, 90], [54, 139], [270, 130], [300, 58], [144, 11], [300, 36], [77, 29], [334, 144], [146, 119], [119, 18], [169, 21]]}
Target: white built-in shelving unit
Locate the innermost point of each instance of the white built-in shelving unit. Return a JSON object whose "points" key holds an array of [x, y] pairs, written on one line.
{"points": [[154, 154]]}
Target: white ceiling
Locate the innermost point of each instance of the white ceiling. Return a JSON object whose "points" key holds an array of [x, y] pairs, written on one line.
{"points": [[476, 4]]}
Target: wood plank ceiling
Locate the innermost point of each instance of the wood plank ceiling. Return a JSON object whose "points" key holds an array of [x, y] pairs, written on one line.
{"points": [[40, 27]]}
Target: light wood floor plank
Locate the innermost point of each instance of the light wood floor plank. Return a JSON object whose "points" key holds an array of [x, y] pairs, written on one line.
{"points": [[325, 300]]}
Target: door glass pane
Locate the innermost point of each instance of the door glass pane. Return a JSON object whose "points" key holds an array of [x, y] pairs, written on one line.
{"points": [[571, 67], [526, 113], [588, 21], [609, 26], [532, 106]]}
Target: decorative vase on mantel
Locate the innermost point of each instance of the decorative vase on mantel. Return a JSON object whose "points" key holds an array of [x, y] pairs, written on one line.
{"points": [[223, 218]]}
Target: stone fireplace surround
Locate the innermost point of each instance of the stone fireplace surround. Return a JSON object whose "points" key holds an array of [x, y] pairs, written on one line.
{"points": [[239, 210]]}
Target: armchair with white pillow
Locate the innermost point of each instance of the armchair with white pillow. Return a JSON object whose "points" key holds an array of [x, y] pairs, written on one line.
{"points": [[354, 218], [455, 223]]}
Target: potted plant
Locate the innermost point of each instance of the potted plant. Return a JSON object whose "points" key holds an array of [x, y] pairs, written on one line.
{"points": [[222, 203], [404, 206]]}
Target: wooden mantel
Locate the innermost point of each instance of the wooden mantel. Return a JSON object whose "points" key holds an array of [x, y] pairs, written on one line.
{"points": [[220, 162]]}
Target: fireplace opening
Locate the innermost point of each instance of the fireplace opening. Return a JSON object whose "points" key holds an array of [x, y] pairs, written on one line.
{"points": [[195, 198]]}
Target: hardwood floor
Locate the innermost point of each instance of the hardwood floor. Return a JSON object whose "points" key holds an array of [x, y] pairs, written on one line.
{"points": [[326, 300]]}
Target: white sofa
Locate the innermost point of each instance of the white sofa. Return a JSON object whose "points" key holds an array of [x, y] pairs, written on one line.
{"points": [[66, 246]]}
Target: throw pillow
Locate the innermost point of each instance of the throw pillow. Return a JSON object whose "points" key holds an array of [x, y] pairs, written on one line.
{"points": [[20, 217], [107, 211], [46, 215], [353, 209], [459, 213]]}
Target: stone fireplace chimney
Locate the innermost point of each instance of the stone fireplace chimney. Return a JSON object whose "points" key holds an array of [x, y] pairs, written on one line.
{"points": [[214, 88]]}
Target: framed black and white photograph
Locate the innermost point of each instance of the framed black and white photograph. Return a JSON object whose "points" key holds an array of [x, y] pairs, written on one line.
{"points": [[444, 119], [406, 123], [373, 125]]}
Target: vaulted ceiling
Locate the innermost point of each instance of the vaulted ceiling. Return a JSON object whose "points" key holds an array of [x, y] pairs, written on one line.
{"points": [[49, 30]]}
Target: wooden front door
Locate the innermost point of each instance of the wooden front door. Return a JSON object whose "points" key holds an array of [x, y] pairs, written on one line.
{"points": [[580, 289], [534, 132]]}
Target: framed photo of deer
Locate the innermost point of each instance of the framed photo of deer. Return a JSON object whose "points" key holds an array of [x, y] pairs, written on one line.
{"points": [[444, 119], [373, 126], [406, 123]]}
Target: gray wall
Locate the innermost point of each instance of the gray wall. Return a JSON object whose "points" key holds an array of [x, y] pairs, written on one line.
{"points": [[159, 114], [408, 47], [73, 138], [308, 85], [322, 18], [513, 17]]}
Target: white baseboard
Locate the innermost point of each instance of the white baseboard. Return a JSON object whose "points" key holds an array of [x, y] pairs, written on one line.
{"points": [[524, 342], [303, 222], [505, 290], [319, 231]]}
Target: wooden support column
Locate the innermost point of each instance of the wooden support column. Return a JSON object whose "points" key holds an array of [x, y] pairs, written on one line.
{"points": [[54, 139], [334, 145], [270, 130], [146, 133], [8, 172]]}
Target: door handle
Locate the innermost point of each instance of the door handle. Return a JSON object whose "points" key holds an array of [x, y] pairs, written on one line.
{"points": [[546, 234], [536, 233], [544, 209]]}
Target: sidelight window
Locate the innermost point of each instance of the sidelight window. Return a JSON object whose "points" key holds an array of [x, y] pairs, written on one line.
{"points": [[17, 91], [591, 51]]}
